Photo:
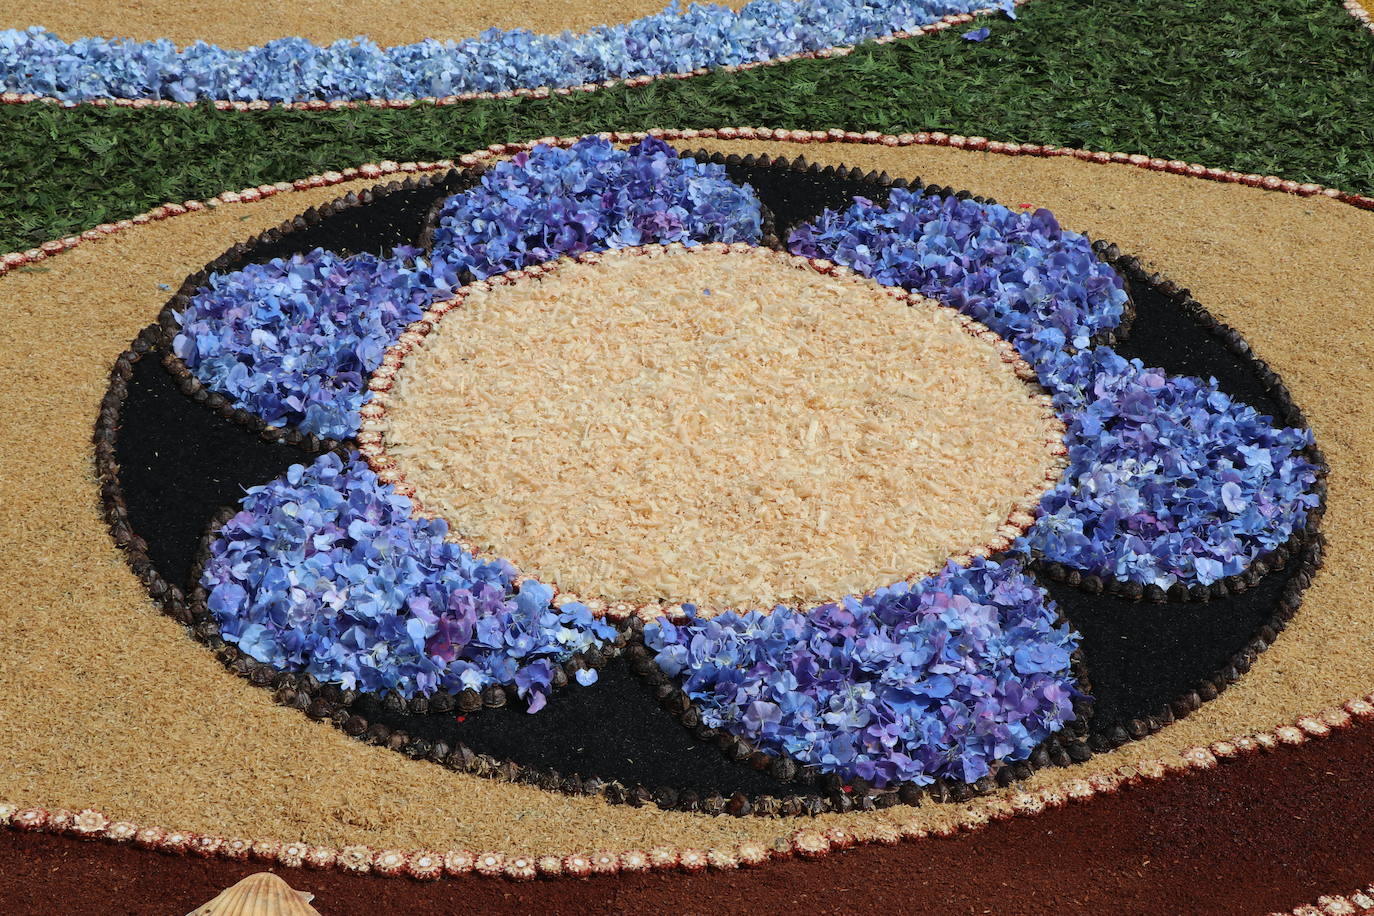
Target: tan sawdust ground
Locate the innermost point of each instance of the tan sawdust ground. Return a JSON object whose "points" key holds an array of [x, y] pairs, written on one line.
{"points": [[242, 23], [109, 704], [720, 428]]}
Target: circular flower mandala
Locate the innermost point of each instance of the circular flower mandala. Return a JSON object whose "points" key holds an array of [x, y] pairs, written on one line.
{"points": [[328, 571]]}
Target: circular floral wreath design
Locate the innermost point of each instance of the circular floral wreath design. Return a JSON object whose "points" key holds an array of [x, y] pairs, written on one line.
{"points": [[326, 585]]}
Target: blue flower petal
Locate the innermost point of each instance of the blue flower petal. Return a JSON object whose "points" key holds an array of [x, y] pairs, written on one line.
{"points": [[325, 571], [1170, 480], [913, 683]]}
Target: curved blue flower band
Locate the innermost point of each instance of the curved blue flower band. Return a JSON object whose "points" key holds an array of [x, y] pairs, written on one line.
{"points": [[1168, 480], [294, 341], [324, 571], [293, 69]]}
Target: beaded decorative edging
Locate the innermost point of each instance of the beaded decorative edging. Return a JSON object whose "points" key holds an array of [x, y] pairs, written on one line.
{"points": [[809, 843], [372, 445], [1357, 9], [374, 170], [541, 92]]}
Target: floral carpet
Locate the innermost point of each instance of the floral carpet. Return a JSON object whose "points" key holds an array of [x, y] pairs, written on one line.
{"points": [[689, 518]]}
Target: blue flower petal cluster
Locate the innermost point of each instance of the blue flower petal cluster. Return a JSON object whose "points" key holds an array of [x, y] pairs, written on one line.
{"points": [[552, 202], [294, 341], [324, 571], [1039, 286], [913, 683], [293, 69], [1169, 479]]}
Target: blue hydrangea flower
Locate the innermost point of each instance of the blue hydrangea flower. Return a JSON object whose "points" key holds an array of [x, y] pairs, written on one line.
{"points": [[913, 683], [1039, 286], [325, 571], [552, 202], [294, 341], [1169, 480], [675, 40]]}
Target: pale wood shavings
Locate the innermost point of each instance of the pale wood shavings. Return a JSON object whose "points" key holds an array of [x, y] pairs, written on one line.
{"points": [[727, 429]]}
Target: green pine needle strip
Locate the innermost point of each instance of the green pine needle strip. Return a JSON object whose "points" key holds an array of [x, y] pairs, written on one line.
{"points": [[1281, 87]]}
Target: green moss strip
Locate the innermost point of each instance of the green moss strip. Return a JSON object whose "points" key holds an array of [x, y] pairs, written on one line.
{"points": [[1280, 87]]}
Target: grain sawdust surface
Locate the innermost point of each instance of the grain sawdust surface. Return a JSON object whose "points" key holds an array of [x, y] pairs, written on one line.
{"points": [[245, 23], [731, 429], [109, 704]]}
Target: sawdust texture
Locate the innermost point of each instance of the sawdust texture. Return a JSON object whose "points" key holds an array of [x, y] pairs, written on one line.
{"points": [[109, 704], [245, 23], [730, 429]]}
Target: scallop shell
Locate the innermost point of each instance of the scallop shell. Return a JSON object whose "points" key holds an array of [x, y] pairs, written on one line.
{"points": [[263, 894]]}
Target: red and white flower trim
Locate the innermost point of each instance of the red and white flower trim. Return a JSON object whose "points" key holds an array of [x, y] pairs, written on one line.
{"points": [[807, 842], [541, 92], [459, 862], [1361, 14], [390, 862], [1356, 902]]}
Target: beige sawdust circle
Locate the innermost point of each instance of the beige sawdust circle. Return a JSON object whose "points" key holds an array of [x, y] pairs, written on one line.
{"points": [[732, 429], [109, 704]]}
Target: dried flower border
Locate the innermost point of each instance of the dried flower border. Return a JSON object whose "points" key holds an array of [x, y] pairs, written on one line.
{"points": [[1063, 749], [541, 92], [807, 843], [372, 444], [1359, 901], [1356, 9]]}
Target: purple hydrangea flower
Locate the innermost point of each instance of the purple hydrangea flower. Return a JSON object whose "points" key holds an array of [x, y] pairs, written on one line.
{"points": [[1039, 286], [294, 340], [325, 571], [913, 683]]}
